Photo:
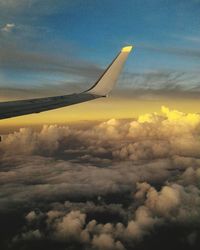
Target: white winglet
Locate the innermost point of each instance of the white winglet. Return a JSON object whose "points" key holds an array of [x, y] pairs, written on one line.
{"points": [[109, 78]]}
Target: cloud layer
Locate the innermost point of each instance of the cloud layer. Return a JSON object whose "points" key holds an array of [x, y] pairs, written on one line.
{"points": [[118, 184]]}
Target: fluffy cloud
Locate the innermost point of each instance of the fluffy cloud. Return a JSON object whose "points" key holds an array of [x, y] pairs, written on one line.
{"points": [[70, 226], [111, 185]]}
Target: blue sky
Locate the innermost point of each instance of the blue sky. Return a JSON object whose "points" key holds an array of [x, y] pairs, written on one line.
{"points": [[166, 35]]}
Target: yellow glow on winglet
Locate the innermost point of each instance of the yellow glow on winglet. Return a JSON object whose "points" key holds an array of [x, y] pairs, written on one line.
{"points": [[127, 49]]}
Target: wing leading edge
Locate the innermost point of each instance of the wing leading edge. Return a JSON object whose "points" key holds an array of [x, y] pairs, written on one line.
{"points": [[100, 89]]}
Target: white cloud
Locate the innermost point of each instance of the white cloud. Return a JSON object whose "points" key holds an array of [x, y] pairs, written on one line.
{"points": [[8, 27]]}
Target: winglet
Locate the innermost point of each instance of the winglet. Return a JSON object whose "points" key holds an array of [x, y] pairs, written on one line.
{"points": [[109, 78], [127, 49]]}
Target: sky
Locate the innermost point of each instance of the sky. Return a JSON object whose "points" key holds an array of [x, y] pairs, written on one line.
{"points": [[49, 48], [121, 173]]}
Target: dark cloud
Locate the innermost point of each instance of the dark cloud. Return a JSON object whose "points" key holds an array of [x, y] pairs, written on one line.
{"points": [[110, 185], [150, 86], [33, 7], [21, 60], [28, 48], [43, 90], [178, 51], [155, 85]]}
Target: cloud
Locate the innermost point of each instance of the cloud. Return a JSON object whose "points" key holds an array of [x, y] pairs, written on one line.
{"points": [[160, 84], [31, 7], [80, 71], [109, 185], [8, 27], [44, 61], [18, 59], [186, 52], [71, 226], [163, 202], [149, 86], [105, 241], [195, 39]]}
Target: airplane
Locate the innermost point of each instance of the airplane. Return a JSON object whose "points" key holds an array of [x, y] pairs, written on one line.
{"points": [[101, 88]]}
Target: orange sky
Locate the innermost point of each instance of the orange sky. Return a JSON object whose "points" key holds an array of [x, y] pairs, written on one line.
{"points": [[112, 107]]}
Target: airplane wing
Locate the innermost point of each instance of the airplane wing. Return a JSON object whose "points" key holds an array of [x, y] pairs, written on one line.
{"points": [[100, 89]]}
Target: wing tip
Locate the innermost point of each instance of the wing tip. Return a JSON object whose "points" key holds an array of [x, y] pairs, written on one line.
{"points": [[127, 48]]}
